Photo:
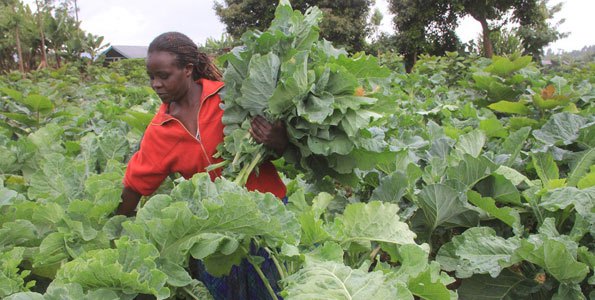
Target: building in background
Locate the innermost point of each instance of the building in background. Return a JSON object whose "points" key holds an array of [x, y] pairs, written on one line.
{"points": [[117, 52]]}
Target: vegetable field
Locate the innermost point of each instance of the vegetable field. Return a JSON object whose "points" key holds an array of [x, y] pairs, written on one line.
{"points": [[467, 178]]}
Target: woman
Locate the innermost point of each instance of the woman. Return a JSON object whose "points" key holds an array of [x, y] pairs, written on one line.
{"points": [[183, 137]]}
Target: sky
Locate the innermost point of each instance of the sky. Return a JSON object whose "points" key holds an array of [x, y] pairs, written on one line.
{"points": [[137, 22]]}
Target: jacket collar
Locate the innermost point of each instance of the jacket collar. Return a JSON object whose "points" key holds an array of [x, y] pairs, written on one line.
{"points": [[209, 88]]}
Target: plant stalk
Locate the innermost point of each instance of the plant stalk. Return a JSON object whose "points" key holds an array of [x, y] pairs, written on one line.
{"points": [[189, 293], [217, 165], [266, 282], [245, 172], [374, 253], [280, 269]]}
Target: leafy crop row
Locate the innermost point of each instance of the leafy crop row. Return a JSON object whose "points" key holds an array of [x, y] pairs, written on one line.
{"points": [[481, 186]]}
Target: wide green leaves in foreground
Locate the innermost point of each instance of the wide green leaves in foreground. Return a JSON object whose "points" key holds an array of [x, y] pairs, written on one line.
{"points": [[374, 221], [130, 267], [211, 221], [330, 280]]}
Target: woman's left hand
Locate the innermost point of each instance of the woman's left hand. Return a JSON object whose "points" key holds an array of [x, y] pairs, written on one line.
{"points": [[273, 136]]}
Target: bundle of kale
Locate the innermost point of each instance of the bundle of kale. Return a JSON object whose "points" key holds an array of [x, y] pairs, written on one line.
{"points": [[287, 73]]}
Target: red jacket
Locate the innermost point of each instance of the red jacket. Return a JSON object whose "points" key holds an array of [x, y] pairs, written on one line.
{"points": [[167, 147]]}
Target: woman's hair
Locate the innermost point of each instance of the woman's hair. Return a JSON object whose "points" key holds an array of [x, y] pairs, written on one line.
{"points": [[186, 53]]}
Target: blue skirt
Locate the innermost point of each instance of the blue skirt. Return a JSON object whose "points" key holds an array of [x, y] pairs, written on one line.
{"points": [[242, 283]]}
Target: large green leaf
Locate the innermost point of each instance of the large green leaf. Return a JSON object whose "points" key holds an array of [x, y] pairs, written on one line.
{"points": [[560, 129], [363, 66], [514, 144], [137, 119], [331, 280], [111, 145], [7, 196], [546, 167], [12, 278], [505, 214], [569, 291], [341, 144], [471, 143], [313, 231], [503, 66], [556, 259], [22, 118], [424, 279], [493, 128], [354, 121], [587, 135], [478, 251], [391, 188], [14, 94], [583, 201], [374, 221], [471, 170], [588, 180], [340, 81], [428, 286], [514, 176], [510, 107], [48, 139], [129, 268], [441, 204], [210, 221], [260, 84], [58, 177], [580, 166], [71, 291], [499, 188], [293, 85], [316, 109], [356, 103], [485, 287], [38, 103]]}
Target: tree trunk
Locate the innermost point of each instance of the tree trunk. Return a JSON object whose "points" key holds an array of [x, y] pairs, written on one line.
{"points": [[76, 14], [18, 42], [410, 60], [44, 59], [487, 43], [19, 51]]}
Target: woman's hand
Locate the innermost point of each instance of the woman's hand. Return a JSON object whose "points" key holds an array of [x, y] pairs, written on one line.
{"points": [[130, 199], [273, 136]]}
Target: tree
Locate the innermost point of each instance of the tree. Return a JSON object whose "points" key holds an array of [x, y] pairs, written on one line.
{"points": [[416, 20], [423, 27], [534, 31], [18, 30], [35, 39], [62, 30], [375, 21], [42, 10], [345, 23], [14, 17]]}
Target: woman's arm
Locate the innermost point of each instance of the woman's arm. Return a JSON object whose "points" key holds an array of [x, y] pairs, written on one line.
{"points": [[130, 199], [273, 136]]}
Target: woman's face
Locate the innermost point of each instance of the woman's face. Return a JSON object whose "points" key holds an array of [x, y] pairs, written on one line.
{"points": [[168, 80]]}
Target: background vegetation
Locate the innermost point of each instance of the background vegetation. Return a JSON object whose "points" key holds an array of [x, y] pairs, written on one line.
{"points": [[480, 185]]}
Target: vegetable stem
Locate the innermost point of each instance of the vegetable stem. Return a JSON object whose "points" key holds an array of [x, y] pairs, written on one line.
{"points": [[374, 252], [217, 165], [189, 293], [266, 282], [245, 172], [238, 155], [282, 273]]}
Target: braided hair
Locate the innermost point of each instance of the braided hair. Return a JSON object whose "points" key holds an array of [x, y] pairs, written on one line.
{"points": [[186, 52]]}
